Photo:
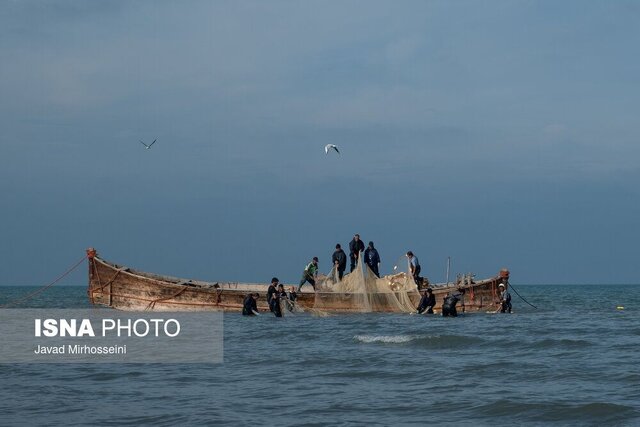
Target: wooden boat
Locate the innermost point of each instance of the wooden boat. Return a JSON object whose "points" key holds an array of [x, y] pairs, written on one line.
{"points": [[124, 288]]}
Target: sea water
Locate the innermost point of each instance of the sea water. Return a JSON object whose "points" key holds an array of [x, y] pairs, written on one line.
{"points": [[572, 361]]}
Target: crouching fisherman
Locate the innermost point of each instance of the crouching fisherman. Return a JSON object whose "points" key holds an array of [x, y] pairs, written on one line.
{"points": [[427, 302], [505, 299], [249, 306], [309, 274], [450, 302]]}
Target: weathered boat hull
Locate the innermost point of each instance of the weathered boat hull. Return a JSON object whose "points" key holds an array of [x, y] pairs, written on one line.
{"points": [[123, 288]]}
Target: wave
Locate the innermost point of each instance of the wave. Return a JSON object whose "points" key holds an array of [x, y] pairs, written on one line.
{"points": [[593, 412], [562, 343], [427, 340], [396, 339]]}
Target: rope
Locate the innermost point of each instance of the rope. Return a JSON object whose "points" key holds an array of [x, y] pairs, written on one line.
{"points": [[90, 291], [152, 304], [110, 281], [44, 288], [195, 304], [514, 290]]}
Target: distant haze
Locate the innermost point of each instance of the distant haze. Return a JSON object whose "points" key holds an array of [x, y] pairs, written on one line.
{"points": [[500, 133]]}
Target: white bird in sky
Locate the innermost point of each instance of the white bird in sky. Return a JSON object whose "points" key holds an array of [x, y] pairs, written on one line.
{"points": [[329, 147], [148, 146]]}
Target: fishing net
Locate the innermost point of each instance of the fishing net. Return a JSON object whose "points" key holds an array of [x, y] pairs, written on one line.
{"points": [[362, 291], [288, 307]]}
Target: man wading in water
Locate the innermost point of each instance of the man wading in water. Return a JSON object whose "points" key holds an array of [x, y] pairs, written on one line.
{"points": [[271, 291], [249, 306], [505, 299], [427, 302], [450, 301]]}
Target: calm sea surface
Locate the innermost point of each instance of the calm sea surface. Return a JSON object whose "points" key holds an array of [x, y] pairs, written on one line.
{"points": [[574, 361]]}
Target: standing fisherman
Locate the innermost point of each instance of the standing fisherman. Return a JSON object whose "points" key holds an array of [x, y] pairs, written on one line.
{"points": [[309, 274], [272, 290], [414, 267], [372, 258], [274, 305], [505, 299], [355, 247], [339, 259]]}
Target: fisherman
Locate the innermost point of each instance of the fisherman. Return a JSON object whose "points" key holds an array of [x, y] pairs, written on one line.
{"points": [[281, 292], [372, 258], [427, 302], [309, 274], [249, 306], [355, 247], [285, 299], [450, 301], [414, 267], [272, 290], [293, 296], [339, 259], [505, 299], [274, 305]]}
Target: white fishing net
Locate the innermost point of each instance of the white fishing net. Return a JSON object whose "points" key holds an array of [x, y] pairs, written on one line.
{"points": [[362, 291]]}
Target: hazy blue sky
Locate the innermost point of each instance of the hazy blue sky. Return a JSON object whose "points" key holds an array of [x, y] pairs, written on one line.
{"points": [[500, 133]]}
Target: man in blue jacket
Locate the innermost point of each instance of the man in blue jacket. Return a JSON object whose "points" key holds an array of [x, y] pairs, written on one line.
{"points": [[414, 267], [372, 258]]}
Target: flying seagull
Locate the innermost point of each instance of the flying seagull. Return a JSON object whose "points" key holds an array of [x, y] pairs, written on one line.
{"points": [[329, 147], [148, 146]]}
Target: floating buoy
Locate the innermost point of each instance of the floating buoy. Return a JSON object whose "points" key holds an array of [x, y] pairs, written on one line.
{"points": [[619, 307]]}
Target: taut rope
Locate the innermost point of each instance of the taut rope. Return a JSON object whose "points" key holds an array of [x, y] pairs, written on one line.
{"points": [[44, 288], [514, 290]]}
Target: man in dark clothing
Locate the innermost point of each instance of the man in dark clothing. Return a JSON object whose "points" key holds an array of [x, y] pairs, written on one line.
{"points": [[274, 305], [249, 306], [284, 299], [450, 301], [339, 259], [355, 247], [293, 296], [282, 292], [427, 302], [505, 299], [372, 258], [272, 290]]}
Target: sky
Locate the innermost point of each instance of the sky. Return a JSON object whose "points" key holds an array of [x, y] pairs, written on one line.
{"points": [[497, 133]]}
